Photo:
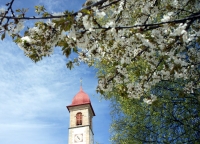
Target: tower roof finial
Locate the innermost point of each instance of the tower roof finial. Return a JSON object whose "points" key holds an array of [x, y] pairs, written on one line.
{"points": [[81, 80]]}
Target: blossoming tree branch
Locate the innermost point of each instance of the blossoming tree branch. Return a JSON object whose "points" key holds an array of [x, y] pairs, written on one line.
{"points": [[143, 42]]}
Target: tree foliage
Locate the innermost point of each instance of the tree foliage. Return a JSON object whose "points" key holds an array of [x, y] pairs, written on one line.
{"points": [[173, 118], [163, 35]]}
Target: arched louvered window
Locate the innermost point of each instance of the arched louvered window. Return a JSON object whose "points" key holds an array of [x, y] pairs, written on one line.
{"points": [[79, 118]]}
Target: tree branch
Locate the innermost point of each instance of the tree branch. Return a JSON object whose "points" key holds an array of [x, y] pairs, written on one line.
{"points": [[59, 16], [191, 17], [9, 8]]}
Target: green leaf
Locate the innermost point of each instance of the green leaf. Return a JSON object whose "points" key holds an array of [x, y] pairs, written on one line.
{"points": [[85, 11], [67, 52], [75, 50], [70, 65], [3, 36], [18, 10]]}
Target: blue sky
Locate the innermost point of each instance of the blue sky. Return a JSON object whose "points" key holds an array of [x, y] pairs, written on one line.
{"points": [[33, 97]]}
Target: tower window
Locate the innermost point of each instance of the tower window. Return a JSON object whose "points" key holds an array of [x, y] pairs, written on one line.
{"points": [[79, 118]]}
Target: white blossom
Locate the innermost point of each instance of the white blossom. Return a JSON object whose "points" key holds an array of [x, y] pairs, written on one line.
{"points": [[167, 17], [100, 14], [125, 37], [72, 33], [79, 16], [175, 3], [110, 24], [150, 100], [2, 10], [27, 39]]}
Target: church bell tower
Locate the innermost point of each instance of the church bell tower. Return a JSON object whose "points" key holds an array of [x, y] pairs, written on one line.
{"points": [[80, 124]]}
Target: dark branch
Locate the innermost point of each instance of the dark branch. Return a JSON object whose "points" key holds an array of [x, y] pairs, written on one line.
{"points": [[60, 16], [191, 17], [9, 8]]}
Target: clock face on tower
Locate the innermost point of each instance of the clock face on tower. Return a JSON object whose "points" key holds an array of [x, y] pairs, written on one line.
{"points": [[78, 138]]}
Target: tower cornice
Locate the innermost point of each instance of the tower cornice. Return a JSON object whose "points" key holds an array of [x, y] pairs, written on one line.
{"points": [[69, 106]]}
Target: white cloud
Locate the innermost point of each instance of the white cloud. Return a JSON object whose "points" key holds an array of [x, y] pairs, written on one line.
{"points": [[33, 97], [62, 5]]}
